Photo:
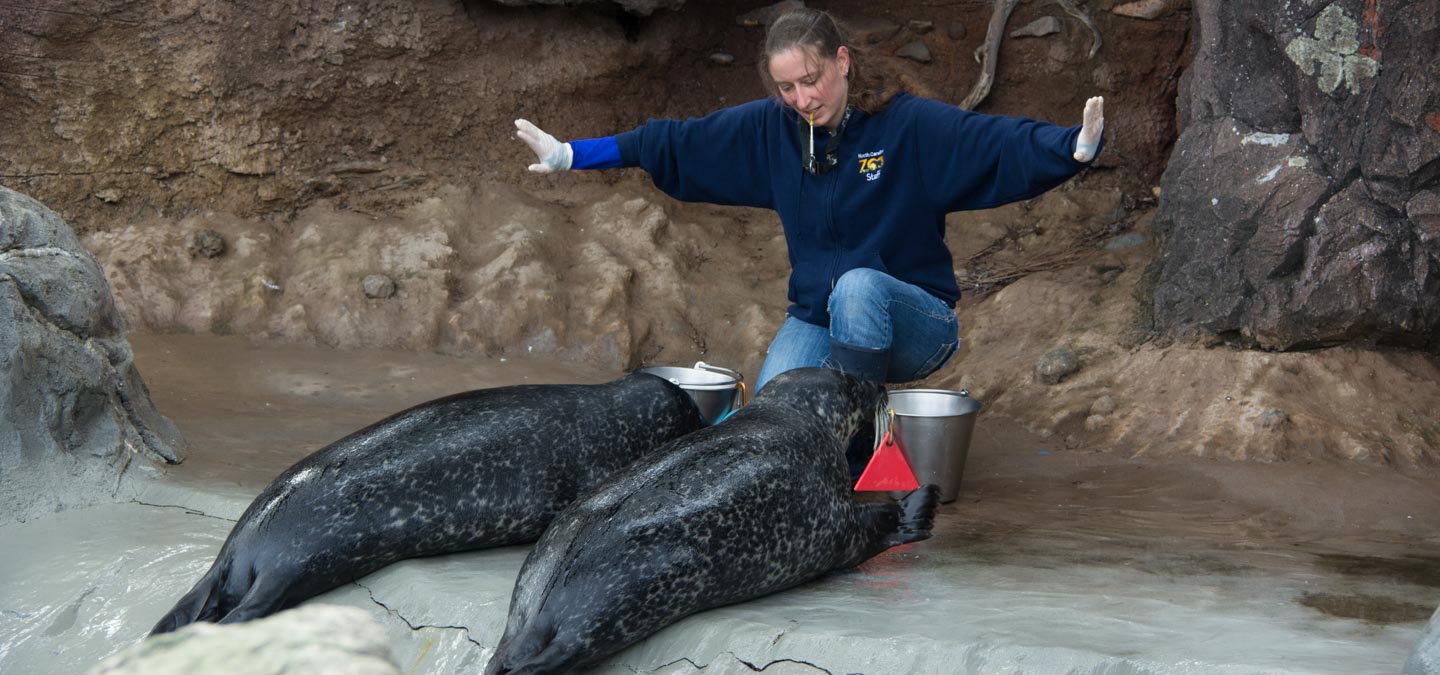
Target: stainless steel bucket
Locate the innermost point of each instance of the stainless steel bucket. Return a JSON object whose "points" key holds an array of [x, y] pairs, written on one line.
{"points": [[716, 391], [933, 428]]}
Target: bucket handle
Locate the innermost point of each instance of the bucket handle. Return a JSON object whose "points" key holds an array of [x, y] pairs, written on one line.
{"points": [[884, 425], [739, 379]]}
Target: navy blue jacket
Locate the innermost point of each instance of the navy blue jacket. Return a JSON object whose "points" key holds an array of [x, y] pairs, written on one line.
{"points": [[883, 207]]}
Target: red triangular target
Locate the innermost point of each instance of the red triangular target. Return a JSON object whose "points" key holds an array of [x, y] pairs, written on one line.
{"points": [[888, 469]]}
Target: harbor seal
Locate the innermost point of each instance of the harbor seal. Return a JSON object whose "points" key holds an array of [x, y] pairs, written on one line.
{"points": [[484, 468], [756, 504]]}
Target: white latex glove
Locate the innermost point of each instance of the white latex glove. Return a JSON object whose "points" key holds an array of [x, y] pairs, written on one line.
{"points": [[553, 155], [1089, 139]]}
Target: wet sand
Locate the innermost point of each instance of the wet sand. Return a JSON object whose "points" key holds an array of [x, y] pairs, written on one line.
{"points": [[1050, 560]]}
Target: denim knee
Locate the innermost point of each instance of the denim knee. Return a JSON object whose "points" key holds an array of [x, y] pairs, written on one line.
{"points": [[859, 308], [858, 294], [860, 284]]}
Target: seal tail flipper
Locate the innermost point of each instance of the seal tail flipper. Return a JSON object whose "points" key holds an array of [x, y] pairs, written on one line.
{"points": [[263, 598], [552, 660], [202, 603], [533, 651]]}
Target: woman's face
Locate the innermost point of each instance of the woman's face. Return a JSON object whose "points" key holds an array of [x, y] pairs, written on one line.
{"points": [[813, 84]]}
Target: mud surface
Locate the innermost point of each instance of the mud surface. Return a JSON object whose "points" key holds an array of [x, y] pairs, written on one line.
{"points": [[1064, 558]]}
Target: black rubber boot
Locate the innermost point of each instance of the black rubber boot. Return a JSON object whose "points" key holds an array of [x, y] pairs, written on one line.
{"points": [[863, 363]]}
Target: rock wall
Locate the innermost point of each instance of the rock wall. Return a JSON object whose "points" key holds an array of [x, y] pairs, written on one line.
{"points": [[328, 142], [635, 7], [1302, 203], [614, 280], [73, 409], [118, 111]]}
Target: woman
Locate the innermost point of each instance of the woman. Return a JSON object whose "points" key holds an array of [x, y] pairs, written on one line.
{"points": [[862, 177]]}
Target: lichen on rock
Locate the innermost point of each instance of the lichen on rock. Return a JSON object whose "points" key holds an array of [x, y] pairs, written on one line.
{"points": [[1332, 55]]}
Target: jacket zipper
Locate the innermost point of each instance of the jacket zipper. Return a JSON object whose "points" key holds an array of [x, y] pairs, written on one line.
{"points": [[833, 177]]}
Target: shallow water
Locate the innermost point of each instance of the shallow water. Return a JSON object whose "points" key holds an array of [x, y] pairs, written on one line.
{"points": [[1050, 561]]}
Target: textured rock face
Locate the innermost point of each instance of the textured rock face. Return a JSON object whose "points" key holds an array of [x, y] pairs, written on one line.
{"points": [[73, 408], [309, 639], [622, 281], [1301, 206]]}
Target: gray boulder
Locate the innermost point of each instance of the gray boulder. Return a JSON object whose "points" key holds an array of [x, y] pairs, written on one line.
{"points": [[1425, 660], [74, 411], [1302, 201], [315, 639]]}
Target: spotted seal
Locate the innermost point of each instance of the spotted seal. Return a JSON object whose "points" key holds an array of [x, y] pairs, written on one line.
{"points": [[755, 504], [478, 469]]}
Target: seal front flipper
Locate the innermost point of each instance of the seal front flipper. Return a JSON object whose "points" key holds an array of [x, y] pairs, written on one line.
{"points": [[917, 516], [884, 526]]}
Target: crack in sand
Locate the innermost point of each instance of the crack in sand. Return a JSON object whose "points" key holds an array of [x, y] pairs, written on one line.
{"points": [[761, 669], [415, 627], [747, 664], [186, 509]]}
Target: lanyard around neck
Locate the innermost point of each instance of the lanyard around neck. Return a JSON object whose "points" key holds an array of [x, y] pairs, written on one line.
{"points": [[817, 165]]}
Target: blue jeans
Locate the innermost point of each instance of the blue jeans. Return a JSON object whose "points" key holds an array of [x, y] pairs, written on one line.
{"points": [[871, 309]]}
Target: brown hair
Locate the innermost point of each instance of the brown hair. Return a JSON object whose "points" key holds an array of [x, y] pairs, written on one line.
{"points": [[820, 35]]}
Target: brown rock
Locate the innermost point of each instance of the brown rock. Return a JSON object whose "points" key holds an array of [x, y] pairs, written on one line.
{"points": [[1143, 9], [764, 15], [378, 286], [1056, 365], [872, 30], [206, 244], [915, 51], [1045, 25]]}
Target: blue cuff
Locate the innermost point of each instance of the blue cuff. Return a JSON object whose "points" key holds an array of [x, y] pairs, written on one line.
{"points": [[595, 153]]}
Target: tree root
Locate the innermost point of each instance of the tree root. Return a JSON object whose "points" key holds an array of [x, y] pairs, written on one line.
{"points": [[988, 53], [1073, 10]]}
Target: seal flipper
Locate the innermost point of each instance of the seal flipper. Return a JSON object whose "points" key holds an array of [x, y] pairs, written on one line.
{"points": [[534, 650], [266, 595], [885, 526], [200, 604], [917, 516]]}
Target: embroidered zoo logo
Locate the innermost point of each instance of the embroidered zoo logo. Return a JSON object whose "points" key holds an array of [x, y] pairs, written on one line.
{"points": [[871, 163]]}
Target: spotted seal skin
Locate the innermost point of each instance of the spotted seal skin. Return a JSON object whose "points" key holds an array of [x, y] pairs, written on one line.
{"points": [[484, 468], [753, 505]]}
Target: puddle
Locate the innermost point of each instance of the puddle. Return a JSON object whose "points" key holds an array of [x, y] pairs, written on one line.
{"points": [[1367, 608], [1421, 570]]}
